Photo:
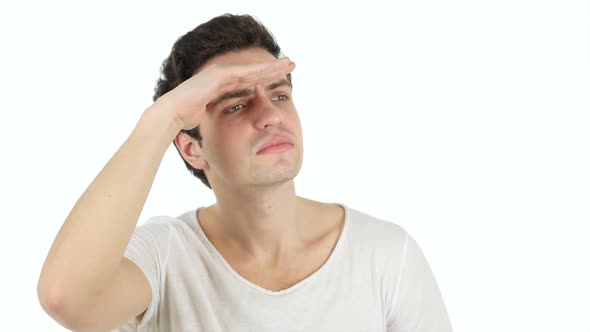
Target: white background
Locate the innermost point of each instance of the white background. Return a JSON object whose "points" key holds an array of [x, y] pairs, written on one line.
{"points": [[465, 122]]}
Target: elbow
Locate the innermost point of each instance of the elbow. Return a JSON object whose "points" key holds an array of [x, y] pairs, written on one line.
{"points": [[54, 303], [50, 298]]}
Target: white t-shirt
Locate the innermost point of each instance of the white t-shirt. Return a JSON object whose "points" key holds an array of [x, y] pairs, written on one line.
{"points": [[376, 279]]}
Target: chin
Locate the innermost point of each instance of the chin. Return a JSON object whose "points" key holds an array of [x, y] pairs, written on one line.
{"points": [[275, 175]]}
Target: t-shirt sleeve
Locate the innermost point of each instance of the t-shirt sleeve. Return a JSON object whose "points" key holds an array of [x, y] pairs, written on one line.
{"points": [[146, 249], [417, 305]]}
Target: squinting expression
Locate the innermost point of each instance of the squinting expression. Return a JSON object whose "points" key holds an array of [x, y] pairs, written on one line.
{"points": [[237, 124]]}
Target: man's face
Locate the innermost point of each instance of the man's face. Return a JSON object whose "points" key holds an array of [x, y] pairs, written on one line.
{"points": [[235, 128]]}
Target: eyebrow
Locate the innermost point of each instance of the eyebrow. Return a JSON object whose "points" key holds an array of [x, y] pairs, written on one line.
{"points": [[247, 92]]}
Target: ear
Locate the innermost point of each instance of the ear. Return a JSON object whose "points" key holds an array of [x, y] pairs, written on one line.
{"points": [[191, 151]]}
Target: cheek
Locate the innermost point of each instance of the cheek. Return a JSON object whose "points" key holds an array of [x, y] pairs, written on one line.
{"points": [[228, 144], [296, 122]]}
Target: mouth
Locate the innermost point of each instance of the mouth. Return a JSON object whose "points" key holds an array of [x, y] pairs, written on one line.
{"points": [[275, 144], [277, 148]]}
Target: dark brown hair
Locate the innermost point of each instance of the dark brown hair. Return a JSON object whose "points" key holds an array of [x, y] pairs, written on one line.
{"points": [[219, 35]]}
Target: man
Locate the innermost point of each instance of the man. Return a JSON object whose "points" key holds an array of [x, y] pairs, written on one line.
{"points": [[261, 258]]}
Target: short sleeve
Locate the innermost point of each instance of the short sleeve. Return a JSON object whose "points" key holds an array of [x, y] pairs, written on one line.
{"points": [[417, 305], [146, 250]]}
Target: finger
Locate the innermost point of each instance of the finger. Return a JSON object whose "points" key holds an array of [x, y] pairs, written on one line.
{"points": [[270, 76], [266, 72], [256, 71], [245, 76]]}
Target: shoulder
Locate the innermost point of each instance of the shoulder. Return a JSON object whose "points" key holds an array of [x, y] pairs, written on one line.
{"points": [[161, 227], [375, 246], [374, 231]]}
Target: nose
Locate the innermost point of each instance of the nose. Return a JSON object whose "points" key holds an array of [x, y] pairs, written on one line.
{"points": [[267, 114]]}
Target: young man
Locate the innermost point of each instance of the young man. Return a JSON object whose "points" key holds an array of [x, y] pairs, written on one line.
{"points": [[261, 258]]}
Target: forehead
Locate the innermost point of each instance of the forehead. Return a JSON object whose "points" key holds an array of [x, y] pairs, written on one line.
{"points": [[240, 57]]}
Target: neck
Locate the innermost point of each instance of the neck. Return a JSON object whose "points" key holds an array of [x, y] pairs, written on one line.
{"points": [[264, 222]]}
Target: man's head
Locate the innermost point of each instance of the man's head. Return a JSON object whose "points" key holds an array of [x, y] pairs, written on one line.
{"points": [[229, 136]]}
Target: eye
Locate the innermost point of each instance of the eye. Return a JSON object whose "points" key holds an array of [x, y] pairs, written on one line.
{"points": [[234, 108], [281, 98]]}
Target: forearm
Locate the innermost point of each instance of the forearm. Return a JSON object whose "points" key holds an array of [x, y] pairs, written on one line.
{"points": [[90, 244]]}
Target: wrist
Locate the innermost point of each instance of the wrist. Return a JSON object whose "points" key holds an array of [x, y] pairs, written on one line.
{"points": [[164, 115]]}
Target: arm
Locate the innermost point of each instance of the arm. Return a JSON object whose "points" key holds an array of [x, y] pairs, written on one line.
{"points": [[87, 252], [86, 283], [418, 305]]}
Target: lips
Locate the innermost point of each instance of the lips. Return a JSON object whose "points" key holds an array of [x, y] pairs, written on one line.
{"points": [[275, 140]]}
